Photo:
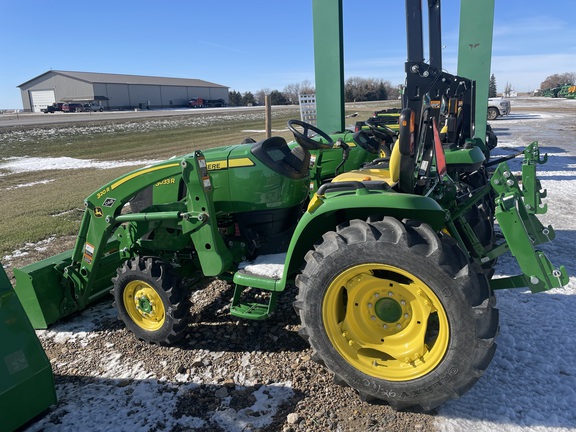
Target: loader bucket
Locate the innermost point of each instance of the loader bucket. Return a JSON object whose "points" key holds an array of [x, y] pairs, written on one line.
{"points": [[40, 289], [26, 380]]}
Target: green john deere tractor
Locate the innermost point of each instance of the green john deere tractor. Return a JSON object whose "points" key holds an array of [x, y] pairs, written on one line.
{"points": [[393, 259]]}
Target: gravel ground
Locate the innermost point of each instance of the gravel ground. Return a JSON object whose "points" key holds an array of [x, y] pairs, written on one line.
{"points": [[223, 364]]}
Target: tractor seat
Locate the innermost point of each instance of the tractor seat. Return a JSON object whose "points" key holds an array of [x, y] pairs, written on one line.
{"points": [[276, 155], [388, 175]]}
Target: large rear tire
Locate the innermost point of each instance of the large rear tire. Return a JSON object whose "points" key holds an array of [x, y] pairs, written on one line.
{"points": [[397, 312], [150, 300]]}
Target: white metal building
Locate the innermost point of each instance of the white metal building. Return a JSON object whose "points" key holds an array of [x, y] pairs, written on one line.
{"points": [[115, 91]]}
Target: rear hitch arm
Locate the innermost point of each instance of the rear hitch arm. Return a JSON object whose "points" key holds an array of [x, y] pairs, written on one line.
{"points": [[522, 229], [531, 187]]}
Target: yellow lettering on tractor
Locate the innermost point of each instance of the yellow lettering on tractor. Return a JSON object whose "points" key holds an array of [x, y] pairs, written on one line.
{"points": [[232, 163], [167, 181]]}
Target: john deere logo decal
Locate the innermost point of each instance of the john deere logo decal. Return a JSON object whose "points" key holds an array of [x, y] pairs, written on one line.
{"points": [[98, 212]]}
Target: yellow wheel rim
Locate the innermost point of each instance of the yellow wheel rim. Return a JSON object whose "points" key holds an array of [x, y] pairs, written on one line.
{"points": [[144, 305], [385, 322]]}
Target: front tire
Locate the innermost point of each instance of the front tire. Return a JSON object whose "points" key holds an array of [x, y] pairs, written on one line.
{"points": [[493, 113], [396, 312], [150, 300]]}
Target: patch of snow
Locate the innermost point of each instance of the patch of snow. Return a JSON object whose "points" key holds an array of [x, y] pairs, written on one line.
{"points": [[124, 395], [268, 399], [263, 130], [25, 250], [29, 184], [271, 266], [26, 164]]}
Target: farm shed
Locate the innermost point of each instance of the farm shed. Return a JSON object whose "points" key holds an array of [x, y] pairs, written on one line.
{"points": [[115, 91]]}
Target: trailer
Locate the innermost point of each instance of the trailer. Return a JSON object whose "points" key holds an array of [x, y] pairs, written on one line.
{"points": [[206, 103]]}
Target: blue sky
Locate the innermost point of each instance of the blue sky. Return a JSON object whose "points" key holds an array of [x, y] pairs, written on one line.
{"points": [[256, 44]]}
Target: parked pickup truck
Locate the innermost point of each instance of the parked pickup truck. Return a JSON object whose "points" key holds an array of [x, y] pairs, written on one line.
{"points": [[72, 107], [498, 107], [93, 107], [57, 106]]}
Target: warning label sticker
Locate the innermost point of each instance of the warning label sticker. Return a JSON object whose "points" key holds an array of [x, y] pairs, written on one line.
{"points": [[88, 253]]}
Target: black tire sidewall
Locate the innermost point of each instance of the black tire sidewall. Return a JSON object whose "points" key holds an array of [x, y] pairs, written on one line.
{"points": [[438, 384], [384, 150], [157, 336]]}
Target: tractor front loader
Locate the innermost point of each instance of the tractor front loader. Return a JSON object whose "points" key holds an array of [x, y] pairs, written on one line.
{"points": [[393, 259]]}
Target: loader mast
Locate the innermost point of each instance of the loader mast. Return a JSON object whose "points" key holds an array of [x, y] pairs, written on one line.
{"points": [[329, 64], [415, 34], [475, 54]]}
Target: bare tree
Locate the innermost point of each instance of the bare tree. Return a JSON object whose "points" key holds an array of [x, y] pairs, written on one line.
{"points": [[393, 91], [307, 87], [291, 91], [358, 89], [355, 89], [260, 95], [507, 89]]}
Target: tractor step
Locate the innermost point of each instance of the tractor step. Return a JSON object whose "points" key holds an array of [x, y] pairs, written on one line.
{"points": [[250, 309]]}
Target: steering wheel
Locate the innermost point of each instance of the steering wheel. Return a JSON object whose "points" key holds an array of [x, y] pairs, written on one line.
{"points": [[382, 131], [304, 140], [364, 139]]}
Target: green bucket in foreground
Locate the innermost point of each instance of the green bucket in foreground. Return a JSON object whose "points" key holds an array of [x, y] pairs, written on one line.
{"points": [[26, 379]]}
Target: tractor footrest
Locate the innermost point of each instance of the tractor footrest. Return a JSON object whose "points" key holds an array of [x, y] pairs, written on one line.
{"points": [[253, 311], [249, 309]]}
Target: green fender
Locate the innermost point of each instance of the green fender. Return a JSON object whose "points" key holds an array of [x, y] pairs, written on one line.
{"points": [[326, 212], [472, 157]]}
